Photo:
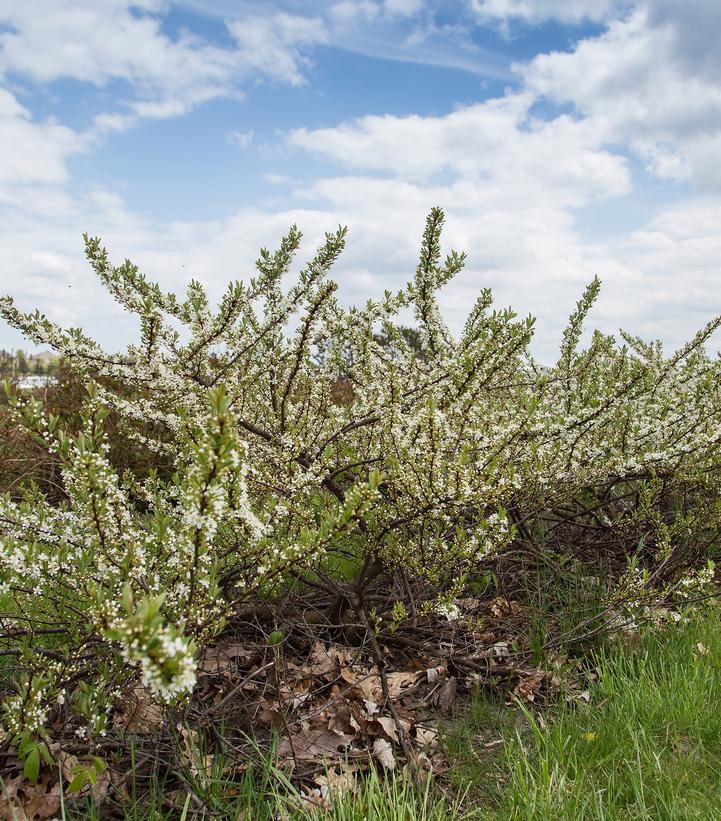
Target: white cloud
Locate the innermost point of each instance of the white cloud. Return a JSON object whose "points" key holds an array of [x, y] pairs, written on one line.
{"points": [[496, 146], [536, 11], [32, 152], [349, 12], [403, 8], [415, 31], [278, 179], [240, 139], [120, 39], [696, 25], [530, 254], [272, 46], [512, 182], [633, 86]]}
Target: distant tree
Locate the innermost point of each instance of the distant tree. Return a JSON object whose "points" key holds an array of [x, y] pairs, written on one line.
{"points": [[410, 335], [6, 364], [22, 363]]}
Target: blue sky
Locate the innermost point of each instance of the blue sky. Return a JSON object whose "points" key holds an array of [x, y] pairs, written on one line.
{"points": [[563, 139]]}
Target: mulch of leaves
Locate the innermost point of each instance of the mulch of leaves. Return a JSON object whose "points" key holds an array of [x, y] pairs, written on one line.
{"points": [[337, 708]]}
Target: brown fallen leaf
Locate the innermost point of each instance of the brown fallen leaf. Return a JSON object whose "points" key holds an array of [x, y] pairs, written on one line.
{"points": [[383, 751], [434, 673], [447, 695], [527, 689], [22, 801], [343, 720], [67, 762], [371, 707], [334, 784], [500, 606], [427, 736], [140, 713], [370, 686], [399, 681], [198, 764], [349, 675], [314, 744], [326, 662], [501, 649], [227, 656], [271, 713], [388, 726]]}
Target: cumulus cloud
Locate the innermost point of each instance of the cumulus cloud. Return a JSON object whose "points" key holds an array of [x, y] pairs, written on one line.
{"points": [[403, 8], [272, 46], [533, 257], [634, 86], [32, 152], [240, 139], [696, 26], [495, 146], [167, 75]]}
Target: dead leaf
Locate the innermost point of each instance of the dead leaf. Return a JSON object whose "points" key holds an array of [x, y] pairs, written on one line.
{"points": [[500, 606], [140, 713], [389, 727], [326, 662], [427, 736], [23, 801], [434, 673], [343, 720], [370, 686], [447, 695], [223, 657], [308, 801], [271, 713], [527, 689], [371, 707], [501, 649], [383, 751], [67, 763], [334, 785], [399, 681], [349, 675], [314, 744], [198, 764]]}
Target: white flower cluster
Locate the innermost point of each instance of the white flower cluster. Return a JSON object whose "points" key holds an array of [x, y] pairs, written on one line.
{"points": [[167, 662], [449, 610]]}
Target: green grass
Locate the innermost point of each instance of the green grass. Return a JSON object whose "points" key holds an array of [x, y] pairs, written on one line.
{"points": [[267, 796], [648, 746]]}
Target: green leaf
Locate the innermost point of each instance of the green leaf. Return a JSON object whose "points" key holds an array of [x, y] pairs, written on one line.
{"points": [[45, 753], [31, 769], [78, 782], [275, 638]]}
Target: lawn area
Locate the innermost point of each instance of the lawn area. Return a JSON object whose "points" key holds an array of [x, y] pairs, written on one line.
{"points": [[646, 746]]}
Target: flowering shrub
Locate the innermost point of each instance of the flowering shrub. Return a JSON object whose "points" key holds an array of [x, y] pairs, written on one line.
{"points": [[345, 455]]}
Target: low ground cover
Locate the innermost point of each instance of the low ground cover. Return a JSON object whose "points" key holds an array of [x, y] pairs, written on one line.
{"points": [[643, 743], [646, 744]]}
